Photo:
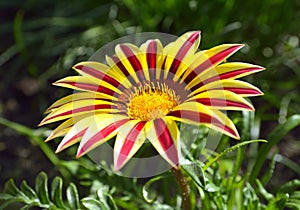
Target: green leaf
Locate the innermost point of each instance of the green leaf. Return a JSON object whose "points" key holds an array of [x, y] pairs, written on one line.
{"points": [[73, 197], [160, 206], [296, 195], [41, 188], [289, 186], [11, 188], [278, 202], [102, 198], [195, 171], [288, 162], [268, 196], [5, 196], [148, 196], [56, 192], [29, 206], [91, 203], [71, 166], [28, 191], [269, 172], [275, 136], [111, 201], [228, 150], [293, 205], [250, 198]]}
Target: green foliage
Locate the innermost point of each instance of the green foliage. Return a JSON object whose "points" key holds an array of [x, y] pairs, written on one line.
{"points": [[214, 192], [41, 197], [42, 40], [274, 137]]}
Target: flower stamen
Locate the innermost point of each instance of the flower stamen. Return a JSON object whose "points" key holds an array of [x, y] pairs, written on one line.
{"points": [[149, 102]]}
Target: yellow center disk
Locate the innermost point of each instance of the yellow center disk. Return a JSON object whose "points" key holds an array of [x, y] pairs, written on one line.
{"points": [[151, 103]]}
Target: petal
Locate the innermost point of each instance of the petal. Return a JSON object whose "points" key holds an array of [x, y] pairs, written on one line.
{"points": [[102, 73], [73, 97], [164, 136], [104, 128], [88, 84], [77, 108], [129, 139], [61, 129], [231, 70], [65, 127], [205, 60], [131, 57], [222, 99], [179, 53], [76, 132], [196, 113], [115, 63], [153, 50], [238, 87]]}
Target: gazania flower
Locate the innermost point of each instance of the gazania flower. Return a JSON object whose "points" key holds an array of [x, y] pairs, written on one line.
{"points": [[141, 92]]}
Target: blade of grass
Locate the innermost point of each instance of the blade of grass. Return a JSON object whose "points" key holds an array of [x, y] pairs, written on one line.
{"points": [[228, 150], [275, 136]]}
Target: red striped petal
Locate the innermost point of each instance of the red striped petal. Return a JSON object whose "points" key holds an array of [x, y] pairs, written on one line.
{"points": [[212, 61], [227, 75], [102, 134], [134, 61], [216, 102], [74, 139], [91, 87], [96, 107], [98, 74], [165, 140], [202, 118], [183, 51], [151, 55], [243, 91], [128, 144], [76, 97], [219, 57], [120, 65]]}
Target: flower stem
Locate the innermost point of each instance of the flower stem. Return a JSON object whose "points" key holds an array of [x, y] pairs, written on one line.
{"points": [[184, 187]]}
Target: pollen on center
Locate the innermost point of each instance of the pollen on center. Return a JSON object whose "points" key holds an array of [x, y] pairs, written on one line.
{"points": [[150, 103]]}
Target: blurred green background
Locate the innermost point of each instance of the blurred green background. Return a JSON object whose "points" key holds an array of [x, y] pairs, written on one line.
{"points": [[41, 40]]}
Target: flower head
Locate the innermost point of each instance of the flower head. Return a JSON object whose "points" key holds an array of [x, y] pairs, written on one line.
{"points": [[141, 92]]}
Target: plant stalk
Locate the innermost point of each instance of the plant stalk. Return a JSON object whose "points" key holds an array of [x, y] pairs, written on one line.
{"points": [[184, 187]]}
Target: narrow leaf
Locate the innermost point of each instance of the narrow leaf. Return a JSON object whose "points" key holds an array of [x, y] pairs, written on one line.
{"points": [[196, 173], [91, 203], [275, 136], [11, 188], [73, 197], [278, 202], [28, 191], [293, 205], [5, 196], [56, 192], [41, 188], [228, 150], [290, 186], [112, 202], [269, 172], [102, 198], [148, 196], [268, 196]]}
